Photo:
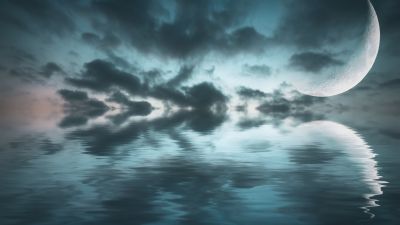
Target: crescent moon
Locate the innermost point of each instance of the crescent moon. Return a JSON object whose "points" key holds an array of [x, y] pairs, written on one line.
{"points": [[344, 78]]}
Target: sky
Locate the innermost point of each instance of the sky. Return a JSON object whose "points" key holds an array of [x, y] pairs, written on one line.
{"points": [[74, 61]]}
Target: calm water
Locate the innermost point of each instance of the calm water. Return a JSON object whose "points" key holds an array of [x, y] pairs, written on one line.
{"points": [[201, 169]]}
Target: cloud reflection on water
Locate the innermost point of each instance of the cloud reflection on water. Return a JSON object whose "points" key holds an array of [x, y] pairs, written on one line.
{"points": [[194, 168]]}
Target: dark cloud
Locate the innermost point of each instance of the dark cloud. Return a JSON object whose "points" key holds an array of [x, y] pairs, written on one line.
{"points": [[389, 18], [305, 100], [18, 56], [314, 23], [245, 124], [391, 83], [119, 61], [129, 108], [73, 121], [262, 69], [313, 61], [141, 108], [107, 42], [363, 88], [205, 121], [205, 95], [152, 76], [25, 73], [247, 39], [105, 139], [51, 68], [195, 28], [200, 96], [279, 107], [248, 93], [168, 94], [185, 73], [20, 63], [91, 38], [79, 108], [71, 96], [36, 15], [102, 76]]}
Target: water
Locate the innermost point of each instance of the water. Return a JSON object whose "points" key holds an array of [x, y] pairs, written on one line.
{"points": [[201, 169]]}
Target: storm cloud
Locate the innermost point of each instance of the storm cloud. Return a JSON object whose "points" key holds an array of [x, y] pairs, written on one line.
{"points": [[313, 61], [100, 75], [51, 68], [79, 108], [260, 70], [391, 83], [314, 23], [297, 106], [248, 93], [193, 29]]}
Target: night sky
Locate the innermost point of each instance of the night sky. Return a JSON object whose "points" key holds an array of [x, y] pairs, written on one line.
{"points": [[79, 60]]}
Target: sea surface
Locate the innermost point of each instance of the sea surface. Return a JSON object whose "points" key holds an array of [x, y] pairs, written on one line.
{"points": [[197, 168]]}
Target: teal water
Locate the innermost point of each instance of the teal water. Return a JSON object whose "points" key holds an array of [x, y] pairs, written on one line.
{"points": [[201, 170]]}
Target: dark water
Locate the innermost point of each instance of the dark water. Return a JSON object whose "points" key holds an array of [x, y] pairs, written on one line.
{"points": [[201, 170]]}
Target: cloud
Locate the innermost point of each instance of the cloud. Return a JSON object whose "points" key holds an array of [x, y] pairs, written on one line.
{"points": [[25, 73], [205, 95], [152, 76], [102, 76], [108, 42], [72, 96], [79, 108], [261, 70], [20, 63], [51, 68], [34, 16], [391, 83], [200, 96], [129, 108], [192, 29], [305, 100], [315, 24], [388, 19], [298, 106], [248, 93], [73, 121], [185, 73], [313, 61], [18, 56], [105, 139], [245, 124]]}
